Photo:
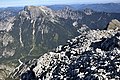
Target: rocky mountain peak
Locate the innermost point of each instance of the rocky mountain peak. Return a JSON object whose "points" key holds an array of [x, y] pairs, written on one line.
{"points": [[36, 11], [114, 24], [68, 13]]}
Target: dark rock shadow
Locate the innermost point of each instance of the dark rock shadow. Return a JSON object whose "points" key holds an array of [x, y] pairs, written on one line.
{"points": [[107, 44], [29, 74]]}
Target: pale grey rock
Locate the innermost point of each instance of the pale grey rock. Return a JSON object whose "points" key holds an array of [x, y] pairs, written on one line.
{"points": [[75, 24], [7, 38], [7, 25], [8, 53], [88, 11], [92, 55], [6, 69], [68, 13], [114, 25]]}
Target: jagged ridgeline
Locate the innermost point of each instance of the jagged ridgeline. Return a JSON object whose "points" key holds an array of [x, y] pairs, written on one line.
{"points": [[36, 30]]}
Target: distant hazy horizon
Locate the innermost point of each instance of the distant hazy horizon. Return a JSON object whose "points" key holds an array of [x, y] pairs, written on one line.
{"points": [[21, 3]]}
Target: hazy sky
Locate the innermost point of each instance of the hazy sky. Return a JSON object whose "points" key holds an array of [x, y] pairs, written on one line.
{"points": [[6, 3]]}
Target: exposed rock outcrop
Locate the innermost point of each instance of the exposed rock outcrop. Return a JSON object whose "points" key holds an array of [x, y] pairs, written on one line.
{"points": [[114, 24], [94, 55], [88, 11], [34, 12]]}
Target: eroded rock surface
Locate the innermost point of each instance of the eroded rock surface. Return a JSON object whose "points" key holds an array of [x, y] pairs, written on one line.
{"points": [[94, 55], [114, 24]]}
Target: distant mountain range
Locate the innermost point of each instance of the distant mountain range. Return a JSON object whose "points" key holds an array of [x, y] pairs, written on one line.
{"points": [[5, 13], [108, 7], [103, 7]]}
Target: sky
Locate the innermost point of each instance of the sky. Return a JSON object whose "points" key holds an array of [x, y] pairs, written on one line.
{"points": [[12, 3]]}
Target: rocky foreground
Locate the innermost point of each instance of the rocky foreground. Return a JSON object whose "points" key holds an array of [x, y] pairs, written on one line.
{"points": [[94, 55]]}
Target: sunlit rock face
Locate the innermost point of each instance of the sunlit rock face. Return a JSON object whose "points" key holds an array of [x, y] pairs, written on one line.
{"points": [[114, 24], [92, 55], [35, 12]]}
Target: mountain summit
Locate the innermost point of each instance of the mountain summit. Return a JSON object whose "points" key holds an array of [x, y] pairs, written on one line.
{"points": [[34, 12], [94, 55]]}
